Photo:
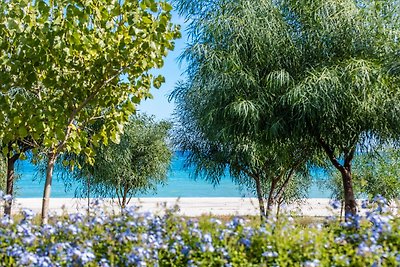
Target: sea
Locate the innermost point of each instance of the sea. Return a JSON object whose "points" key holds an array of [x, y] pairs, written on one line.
{"points": [[180, 183]]}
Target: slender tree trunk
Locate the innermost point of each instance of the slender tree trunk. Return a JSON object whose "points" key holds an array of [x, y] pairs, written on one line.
{"points": [[125, 196], [278, 208], [10, 182], [341, 209], [260, 197], [270, 201], [47, 187], [88, 195], [350, 205]]}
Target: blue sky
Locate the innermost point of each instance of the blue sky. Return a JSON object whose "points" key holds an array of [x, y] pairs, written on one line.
{"points": [[172, 71]]}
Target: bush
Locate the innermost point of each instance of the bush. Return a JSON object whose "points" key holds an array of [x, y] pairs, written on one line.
{"points": [[143, 239]]}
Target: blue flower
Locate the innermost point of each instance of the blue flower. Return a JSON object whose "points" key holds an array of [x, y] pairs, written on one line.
{"points": [[8, 198], [28, 214], [335, 203], [313, 263], [270, 254]]}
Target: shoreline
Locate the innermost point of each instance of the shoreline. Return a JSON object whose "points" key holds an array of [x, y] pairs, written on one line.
{"points": [[318, 207]]}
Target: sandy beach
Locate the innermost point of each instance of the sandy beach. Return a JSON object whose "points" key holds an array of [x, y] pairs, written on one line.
{"points": [[187, 206]]}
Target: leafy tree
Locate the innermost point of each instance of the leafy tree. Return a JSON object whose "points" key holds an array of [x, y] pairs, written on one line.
{"points": [[229, 100], [136, 165], [342, 92], [77, 61], [266, 170], [319, 71]]}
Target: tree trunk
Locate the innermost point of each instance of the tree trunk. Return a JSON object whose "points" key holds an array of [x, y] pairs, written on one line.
{"points": [[125, 196], [10, 182], [88, 195], [260, 197], [350, 205], [47, 187], [270, 202]]}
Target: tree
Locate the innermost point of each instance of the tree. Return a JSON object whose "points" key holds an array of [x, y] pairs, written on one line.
{"points": [[319, 71], [228, 101], [16, 146], [136, 165], [344, 93], [78, 61], [265, 169]]}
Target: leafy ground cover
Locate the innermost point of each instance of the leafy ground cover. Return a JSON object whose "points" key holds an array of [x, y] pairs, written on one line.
{"points": [[135, 238]]}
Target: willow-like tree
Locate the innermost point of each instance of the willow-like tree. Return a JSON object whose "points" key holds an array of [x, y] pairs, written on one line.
{"points": [[343, 91], [317, 70], [137, 164], [226, 104], [78, 61], [258, 165]]}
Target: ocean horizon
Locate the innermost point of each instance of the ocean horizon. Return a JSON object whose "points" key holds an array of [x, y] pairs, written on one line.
{"points": [[179, 183]]}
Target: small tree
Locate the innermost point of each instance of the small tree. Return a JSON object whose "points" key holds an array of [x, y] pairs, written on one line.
{"points": [[78, 61], [136, 165]]}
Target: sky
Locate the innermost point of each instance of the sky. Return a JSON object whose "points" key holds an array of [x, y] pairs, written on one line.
{"points": [[173, 72]]}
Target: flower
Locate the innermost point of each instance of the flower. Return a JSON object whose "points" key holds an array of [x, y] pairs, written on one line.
{"points": [[8, 198], [313, 263], [270, 254], [335, 203], [28, 214]]}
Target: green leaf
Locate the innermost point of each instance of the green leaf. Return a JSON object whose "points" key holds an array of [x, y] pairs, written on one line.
{"points": [[22, 131], [115, 137], [147, 20], [12, 24]]}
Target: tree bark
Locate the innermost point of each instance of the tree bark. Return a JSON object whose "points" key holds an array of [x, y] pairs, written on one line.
{"points": [[270, 201], [350, 204], [47, 187], [125, 196], [10, 181], [260, 197], [88, 195]]}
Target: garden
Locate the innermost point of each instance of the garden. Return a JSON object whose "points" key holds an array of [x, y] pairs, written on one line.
{"points": [[135, 238]]}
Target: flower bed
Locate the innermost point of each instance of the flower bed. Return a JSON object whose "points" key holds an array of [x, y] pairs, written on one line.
{"points": [[145, 239]]}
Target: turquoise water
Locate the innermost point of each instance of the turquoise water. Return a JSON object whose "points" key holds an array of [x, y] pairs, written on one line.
{"points": [[179, 184]]}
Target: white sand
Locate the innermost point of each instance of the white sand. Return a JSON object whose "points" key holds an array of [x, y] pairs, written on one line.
{"points": [[187, 206]]}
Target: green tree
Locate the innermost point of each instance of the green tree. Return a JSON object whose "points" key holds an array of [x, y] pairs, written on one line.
{"points": [[342, 92], [136, 165], [320, 71], [230, 98], [265, 169], [78, 61]]}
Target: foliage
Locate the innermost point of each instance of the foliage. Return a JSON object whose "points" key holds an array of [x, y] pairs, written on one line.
{"points": [[67, 63], [225, 105], [70, 63], [141, 238], [376, 172], [137, 164], [320, 72]]}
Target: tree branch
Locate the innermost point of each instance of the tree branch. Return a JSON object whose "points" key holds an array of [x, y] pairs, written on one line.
{"points": [[83, 104], [330, 154], [349, 157]]}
